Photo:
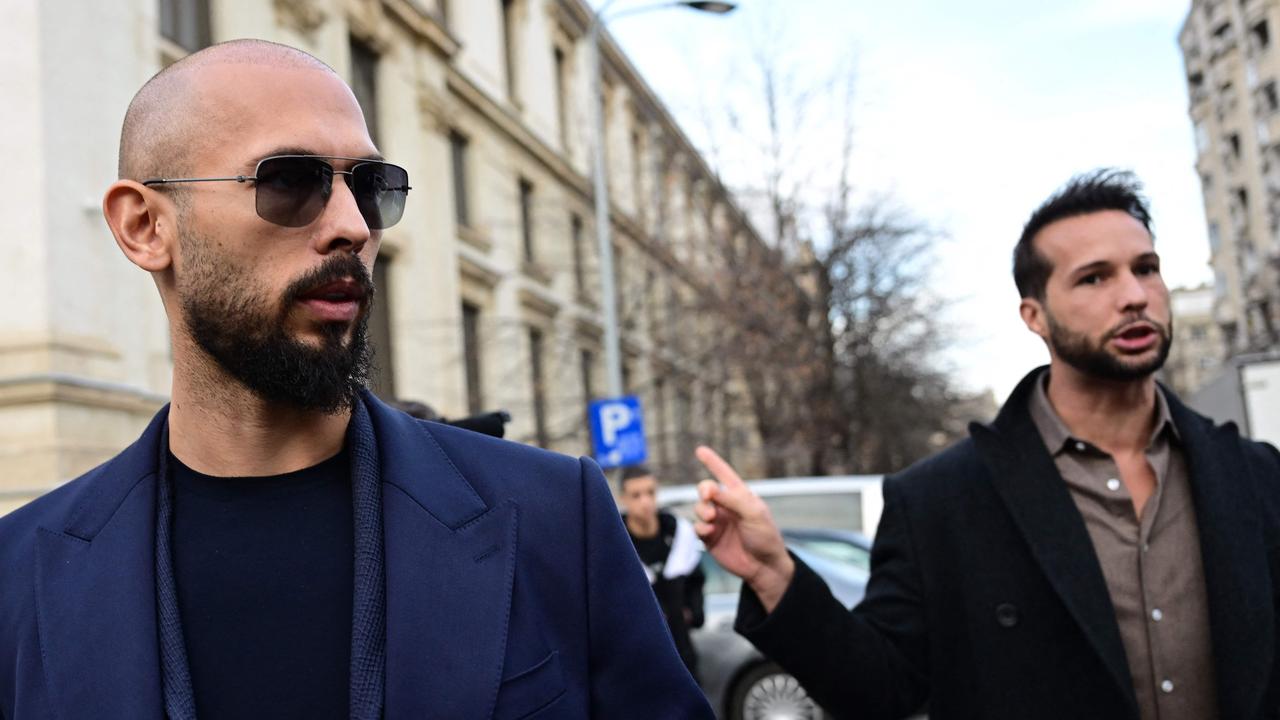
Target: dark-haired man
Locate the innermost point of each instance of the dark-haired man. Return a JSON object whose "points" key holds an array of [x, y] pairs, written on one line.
{"points": [[279, 543], [1099, 551], [670, 552]]}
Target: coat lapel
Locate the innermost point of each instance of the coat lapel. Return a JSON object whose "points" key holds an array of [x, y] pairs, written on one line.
{"points": [[1026, 479], [1236, 571], [450, 566], [95, 592]]}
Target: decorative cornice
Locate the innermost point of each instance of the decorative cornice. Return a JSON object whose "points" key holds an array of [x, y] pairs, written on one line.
{"points": [[61, 388], [425, 25], [304, 16]]}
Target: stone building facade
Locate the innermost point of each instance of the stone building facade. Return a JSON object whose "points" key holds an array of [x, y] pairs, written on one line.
{"points": [[1196, 354], [491, 297], [1232, 61]]}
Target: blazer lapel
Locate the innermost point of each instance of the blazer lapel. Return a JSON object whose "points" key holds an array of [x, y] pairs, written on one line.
{"points": [[95, 592], [450, 566], [1236, 571], [1026, 479]]}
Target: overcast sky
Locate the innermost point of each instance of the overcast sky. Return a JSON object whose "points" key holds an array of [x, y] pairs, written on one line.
{"points": [[970, 114]]}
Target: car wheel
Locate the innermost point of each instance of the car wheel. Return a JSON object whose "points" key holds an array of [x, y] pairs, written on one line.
{"points": [[767, 692]]}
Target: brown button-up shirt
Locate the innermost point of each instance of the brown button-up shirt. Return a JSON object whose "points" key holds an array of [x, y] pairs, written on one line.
{"points": [[1151, 563]]}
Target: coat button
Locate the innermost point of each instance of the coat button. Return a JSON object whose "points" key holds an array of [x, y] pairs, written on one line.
{"points": [[1007, 614]]}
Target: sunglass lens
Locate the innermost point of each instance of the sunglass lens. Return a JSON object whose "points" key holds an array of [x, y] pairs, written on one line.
{"points": [[292, 191], [380, 190]]}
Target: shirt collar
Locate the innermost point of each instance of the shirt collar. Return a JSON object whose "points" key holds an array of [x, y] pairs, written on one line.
{"points": [[1057, 437]]}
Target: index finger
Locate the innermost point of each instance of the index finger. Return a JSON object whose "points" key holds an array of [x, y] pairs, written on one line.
{"points": [[721, 470]]}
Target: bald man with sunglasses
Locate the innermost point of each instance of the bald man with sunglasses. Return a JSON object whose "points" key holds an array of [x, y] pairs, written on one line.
{"points": [[279, 543]]}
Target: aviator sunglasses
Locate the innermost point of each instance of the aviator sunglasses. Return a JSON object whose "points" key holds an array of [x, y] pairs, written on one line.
{"points": [[292, 190]]}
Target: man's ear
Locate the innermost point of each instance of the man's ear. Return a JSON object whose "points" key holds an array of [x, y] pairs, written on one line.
{"points": [[1033, 314], [142, 221]]}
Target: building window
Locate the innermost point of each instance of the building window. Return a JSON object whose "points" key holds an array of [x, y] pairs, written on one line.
{"points": [[1260, 34], [458, 158], [380, 331], [637, 174], [471, 357], [186, 23], [364, 84], [1271, 99], [510, 49], [587, 361], [562, 100], [539, 389], [526, 219], [579, 271]]}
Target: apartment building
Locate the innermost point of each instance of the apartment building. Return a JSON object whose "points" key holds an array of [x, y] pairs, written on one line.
{"points": [[1233, 70], [489, 288], [1196, 354]]}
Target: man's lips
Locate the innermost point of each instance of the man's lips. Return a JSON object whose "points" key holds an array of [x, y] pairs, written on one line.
{"points": [[1136, 337], [337, 301], [343, 290]]}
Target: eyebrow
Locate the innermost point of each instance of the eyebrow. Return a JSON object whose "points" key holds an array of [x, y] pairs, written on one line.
{"points": [[298, 150], [1097, 265]]}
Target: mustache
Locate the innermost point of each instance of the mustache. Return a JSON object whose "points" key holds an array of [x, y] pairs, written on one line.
{"points": [[1161, 328], [338, 267]]}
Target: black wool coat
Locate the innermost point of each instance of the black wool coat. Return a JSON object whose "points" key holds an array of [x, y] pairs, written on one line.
{"points": [[986, 598]]}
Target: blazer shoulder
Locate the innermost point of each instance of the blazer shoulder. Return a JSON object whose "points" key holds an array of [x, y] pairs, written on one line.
{"points": [[58, 511], [490, 462]]}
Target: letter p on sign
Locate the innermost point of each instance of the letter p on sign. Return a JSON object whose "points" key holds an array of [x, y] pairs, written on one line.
{"points": [[617, 431]]}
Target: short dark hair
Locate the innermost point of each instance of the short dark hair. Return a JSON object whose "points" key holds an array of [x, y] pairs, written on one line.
{"points": [[631, 472], [1094, 191]]}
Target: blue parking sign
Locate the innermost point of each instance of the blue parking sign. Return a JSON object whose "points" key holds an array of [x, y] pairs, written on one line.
{"points": [[617, 431]]}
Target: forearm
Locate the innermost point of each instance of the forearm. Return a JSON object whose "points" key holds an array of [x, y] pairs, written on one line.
{"points": [[843, 660], [772, 581]]}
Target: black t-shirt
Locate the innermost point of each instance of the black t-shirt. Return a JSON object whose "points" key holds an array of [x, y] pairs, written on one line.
{"points": [[264, 573], [653, 551]]}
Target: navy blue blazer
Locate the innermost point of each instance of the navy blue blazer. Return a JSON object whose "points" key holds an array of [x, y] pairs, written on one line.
{"points": [[512, 590]]}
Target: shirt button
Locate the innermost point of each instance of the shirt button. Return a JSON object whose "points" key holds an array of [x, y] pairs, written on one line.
{"points": [[1113, 484], [1157, 615], [1167, 686], [1080, 446], [1146, 547]]}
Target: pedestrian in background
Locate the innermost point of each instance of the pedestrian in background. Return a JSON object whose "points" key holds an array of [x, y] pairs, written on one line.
{"points": [[671, 554], [1099, 551]]}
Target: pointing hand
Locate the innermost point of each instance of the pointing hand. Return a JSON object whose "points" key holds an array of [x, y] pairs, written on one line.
{"points": [[739, 531]]}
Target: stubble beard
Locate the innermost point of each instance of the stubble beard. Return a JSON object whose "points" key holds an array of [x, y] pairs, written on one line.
{"points": [[246, 333], [1095, 360]]}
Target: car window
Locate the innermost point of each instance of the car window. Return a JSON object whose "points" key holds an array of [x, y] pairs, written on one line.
{"points": [[845, 553], [719, 580], [835, 511], [826, 511]]}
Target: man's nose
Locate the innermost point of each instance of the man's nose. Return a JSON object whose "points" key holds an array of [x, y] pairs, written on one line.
{"points": [[341, 226], [1133, 293]]}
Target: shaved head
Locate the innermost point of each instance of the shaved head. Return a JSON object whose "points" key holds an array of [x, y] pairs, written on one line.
{"points": [[170, 117]]}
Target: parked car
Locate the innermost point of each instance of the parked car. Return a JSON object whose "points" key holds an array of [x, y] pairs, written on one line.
{"points": [[845, 502], [743, 684], [823, 520]]}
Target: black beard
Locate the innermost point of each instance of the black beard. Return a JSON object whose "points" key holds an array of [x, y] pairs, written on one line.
{"points": [[222, 312], [1095, 361]]}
